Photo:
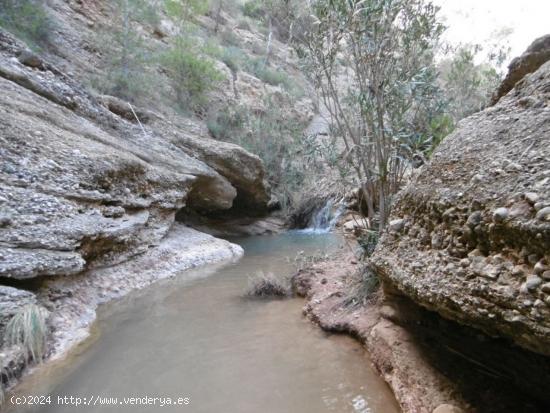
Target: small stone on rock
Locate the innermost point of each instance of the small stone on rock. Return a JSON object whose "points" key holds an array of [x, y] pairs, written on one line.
{"points": [[540, 267], [544, 214], [531, 197], [29, 58], [397, 225], [500, 215], [464, 262], [533, 282]]}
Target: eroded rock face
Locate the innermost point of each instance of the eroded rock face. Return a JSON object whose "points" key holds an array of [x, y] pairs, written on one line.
{"points": [[533, 58], [82, 186], [475, 240]]}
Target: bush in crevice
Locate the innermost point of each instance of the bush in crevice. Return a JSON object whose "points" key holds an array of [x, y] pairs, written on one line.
{"points": [[28, 20], [264, 285], [367, 241], [28, 329]]}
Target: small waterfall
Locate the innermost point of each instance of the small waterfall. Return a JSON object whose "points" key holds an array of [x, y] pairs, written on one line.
{"points": [[325, 218]]}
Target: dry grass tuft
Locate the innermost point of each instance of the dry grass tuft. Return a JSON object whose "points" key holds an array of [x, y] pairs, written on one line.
{"points": [[268, 285], [28, 329]]}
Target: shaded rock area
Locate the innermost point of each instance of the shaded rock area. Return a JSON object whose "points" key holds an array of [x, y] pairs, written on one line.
{"points": [[431, 364], [474, 240], [233, 226]]}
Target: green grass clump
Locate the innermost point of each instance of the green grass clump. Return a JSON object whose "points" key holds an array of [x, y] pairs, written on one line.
{"points": [[260, 69], [28, 329]]}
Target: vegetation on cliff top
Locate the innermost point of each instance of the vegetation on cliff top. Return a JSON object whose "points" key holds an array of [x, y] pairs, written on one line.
{"points": [[371, 64]]}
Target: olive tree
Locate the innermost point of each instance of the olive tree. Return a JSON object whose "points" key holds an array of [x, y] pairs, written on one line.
{"points": [[372, 63]]}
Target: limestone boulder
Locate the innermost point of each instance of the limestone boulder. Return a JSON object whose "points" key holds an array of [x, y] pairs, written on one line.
{"points": [[473, 244], [82, 186]]}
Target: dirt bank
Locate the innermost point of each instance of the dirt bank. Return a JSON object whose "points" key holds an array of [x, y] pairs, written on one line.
{"points": [[413, 349]]}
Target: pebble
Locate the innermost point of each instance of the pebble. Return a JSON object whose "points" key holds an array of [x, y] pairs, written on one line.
{"points": [[474, 219], [540, 267], [518, 270], [531, 197], [538, 303], [30, 59], [543, 214], [546, 275], [500, 215], [464, 262], [546, 288], [397, 225], [478, 178], [532, 259], [533, 282]]}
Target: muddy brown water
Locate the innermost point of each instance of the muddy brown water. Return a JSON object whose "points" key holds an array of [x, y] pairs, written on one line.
{"points": [[194, 340]]}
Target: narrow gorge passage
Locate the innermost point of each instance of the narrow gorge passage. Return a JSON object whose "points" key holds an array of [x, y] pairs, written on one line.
{"points": [[196, 336]]}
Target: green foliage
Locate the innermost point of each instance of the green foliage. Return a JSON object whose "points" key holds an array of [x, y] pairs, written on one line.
{"points": [[127, 58], [28, 20], [229, 38], [271, 135], [469, 85], [278, 16], [274, 77], [28, 329], [186, 9], [390, 90], [233, 57], [228, 123], [191, 73], [255, 9], [266, 74], [367, 241]]}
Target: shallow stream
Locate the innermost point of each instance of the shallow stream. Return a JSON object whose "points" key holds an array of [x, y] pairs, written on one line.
{"points": [[195, 337]]}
